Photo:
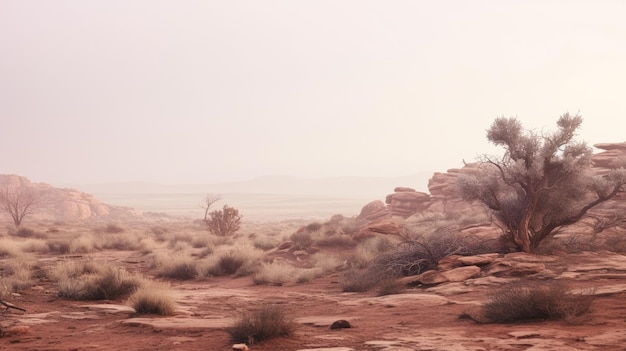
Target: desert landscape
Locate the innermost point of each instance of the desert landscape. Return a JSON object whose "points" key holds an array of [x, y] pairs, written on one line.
{"points": [[415, 271]]}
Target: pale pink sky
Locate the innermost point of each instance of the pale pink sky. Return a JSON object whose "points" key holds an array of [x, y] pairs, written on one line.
{"points": [[209, 91]]}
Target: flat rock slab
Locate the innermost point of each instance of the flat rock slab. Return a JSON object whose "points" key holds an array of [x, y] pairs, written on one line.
{"points": [[329, 349], [110, 308], [38, 318], [180, 323], [322, 321], [607, 339], [602, 290], [398, 300]]}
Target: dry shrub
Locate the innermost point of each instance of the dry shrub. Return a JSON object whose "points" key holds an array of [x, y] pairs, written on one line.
{"points": [[312, 227], [527, 300], [9, 248], [113, 228], [264, 243], [241, 259], [179, 266], [83, 244], [366, 251], [360, 280], [267, 323], [390, 287], [423, 251], [5, 289], [34, 245], [327, 262], [224, 222], [229, 264], [61, 246], [19, 273], [615, 242], [336, 240], [307, 274], [107, 283], [110, 284], [152, 299], [276, 273], [302, 239], [147, 245], [120, 242], [24, 232]]}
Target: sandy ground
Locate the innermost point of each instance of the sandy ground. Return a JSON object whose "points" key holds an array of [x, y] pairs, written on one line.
{"points": [[415, 320]]}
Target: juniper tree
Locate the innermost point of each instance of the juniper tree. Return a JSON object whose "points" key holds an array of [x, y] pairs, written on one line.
{"points": [[544, 181]]}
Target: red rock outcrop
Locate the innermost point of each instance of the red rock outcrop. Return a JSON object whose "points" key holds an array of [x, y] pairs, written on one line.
{"points": [[406, 201], [68, 204], [445, 197]]}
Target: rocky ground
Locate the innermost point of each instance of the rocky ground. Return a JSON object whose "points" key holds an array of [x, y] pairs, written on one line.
{"points": [[424, 317]]}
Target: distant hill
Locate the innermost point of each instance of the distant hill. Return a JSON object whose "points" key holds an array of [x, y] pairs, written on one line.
{"points": [[336, 187]]}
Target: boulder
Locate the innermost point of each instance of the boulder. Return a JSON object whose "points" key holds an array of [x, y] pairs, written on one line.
{"points": [[373, 210]]}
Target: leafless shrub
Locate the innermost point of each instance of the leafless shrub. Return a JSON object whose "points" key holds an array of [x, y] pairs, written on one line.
{"points": [[423, 251], [267, 323], [528, 300]]}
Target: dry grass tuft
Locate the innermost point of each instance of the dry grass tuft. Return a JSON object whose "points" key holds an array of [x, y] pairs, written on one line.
{"points": [[267, 323], [152, 299], [86, 281], [536, 300], [276, 273], [179, 266]]}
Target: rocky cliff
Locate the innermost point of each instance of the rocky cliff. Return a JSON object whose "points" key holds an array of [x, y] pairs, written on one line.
{"points": [[68, 204]]}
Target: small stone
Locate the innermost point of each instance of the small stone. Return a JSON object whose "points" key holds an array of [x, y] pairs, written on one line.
{"points": [[340, 324]]}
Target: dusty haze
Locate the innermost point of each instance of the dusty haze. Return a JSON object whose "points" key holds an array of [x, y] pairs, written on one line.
{"points": [[217, 91]]}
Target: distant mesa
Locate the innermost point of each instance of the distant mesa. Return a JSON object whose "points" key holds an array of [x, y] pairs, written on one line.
{"points": [[69, 204]]}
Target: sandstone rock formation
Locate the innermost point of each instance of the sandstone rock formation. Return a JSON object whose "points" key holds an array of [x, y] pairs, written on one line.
{"points": [[69, 204], [445, 197]]}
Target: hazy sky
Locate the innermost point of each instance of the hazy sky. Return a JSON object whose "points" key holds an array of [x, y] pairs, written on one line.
{"points": [[210, 91]]}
